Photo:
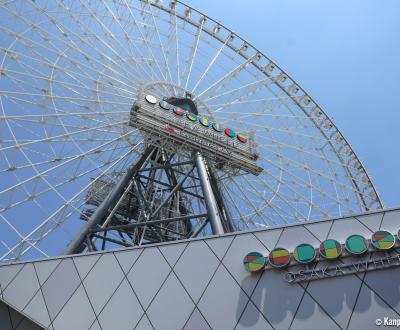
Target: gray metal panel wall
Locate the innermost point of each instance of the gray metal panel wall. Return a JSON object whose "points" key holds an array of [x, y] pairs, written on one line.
{"points": [[202, 284]]}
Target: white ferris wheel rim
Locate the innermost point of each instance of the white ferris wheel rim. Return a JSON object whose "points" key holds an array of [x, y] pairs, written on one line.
{"points": [[69, 74]]}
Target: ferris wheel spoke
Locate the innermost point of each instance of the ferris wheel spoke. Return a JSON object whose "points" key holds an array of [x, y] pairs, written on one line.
{"points": [[22, 237], [192, 55], [16, 167], [239, 101], [228, 77], [173, 37], [163, 51], [41, 174], [69, 134], [244, 98], [209, 66], [57, 52], [69, 180], [263, 82], [122, 28], [300, 165], [60, 209], [57, 97], [68, 86], [101, 40], [305, 185], [61, 115], [51, 125], [255, 209], [147, 41], [287, 200], [228, 192], [276, 193]]}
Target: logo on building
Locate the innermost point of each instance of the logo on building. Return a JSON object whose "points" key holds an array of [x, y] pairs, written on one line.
{"points": [[332, 251]]}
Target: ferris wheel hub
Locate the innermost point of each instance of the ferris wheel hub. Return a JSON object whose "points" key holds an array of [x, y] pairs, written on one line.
{"points": [[175, 123]]}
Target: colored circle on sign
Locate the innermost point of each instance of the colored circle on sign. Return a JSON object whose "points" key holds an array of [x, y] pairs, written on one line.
{"points": [[382, 240], [330, 249], [242, 138], [178, 111], [217, 127], [356, 244], [191, 116], [230, 132], [165, 105], [151, 99], [204, 121], [279, 257], [254, 261], [304, 253]]}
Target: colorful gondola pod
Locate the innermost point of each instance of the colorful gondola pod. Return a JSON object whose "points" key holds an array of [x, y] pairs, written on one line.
{"points": [[179, 111], [204, 121], [230, 132], [191, 116], [217, 127], [165, 105], [242, 138]]}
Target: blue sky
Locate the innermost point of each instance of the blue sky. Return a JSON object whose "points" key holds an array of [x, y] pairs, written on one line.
{"points": [[346, 54]]}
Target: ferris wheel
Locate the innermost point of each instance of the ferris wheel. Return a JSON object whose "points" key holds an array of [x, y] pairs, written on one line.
{"points": [[131, 122]]}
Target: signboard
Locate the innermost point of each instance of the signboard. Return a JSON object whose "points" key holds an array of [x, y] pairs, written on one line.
{"points": [[372, 252], [166, 124]]}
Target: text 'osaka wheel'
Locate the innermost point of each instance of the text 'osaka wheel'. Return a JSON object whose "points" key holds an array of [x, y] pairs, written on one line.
{"points": [[106, 108]]}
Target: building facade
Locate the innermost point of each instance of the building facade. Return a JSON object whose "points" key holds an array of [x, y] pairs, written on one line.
{"points": [[203, 284]]}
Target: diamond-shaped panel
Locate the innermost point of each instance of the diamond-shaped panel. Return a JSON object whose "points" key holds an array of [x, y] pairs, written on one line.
{"points": [[172, 252], [319, 229], [45, 268], [343, 228], [164, 311], [196, 322], [126, 259], [197, 259], [85, 263], [76, 314], [372, 221], [337, 296], [7, 273], [233, 260], [60, 286], [148, 274], [252, 319], [144, 324], [103, 280], [369, 307], [269, 238], [391, 221], [220, 245], [386, 283], [277, 299], [292, 236], [95, 326], [122, 311], [310, 316], [22, 289], [231, 301], [37, 310]]}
